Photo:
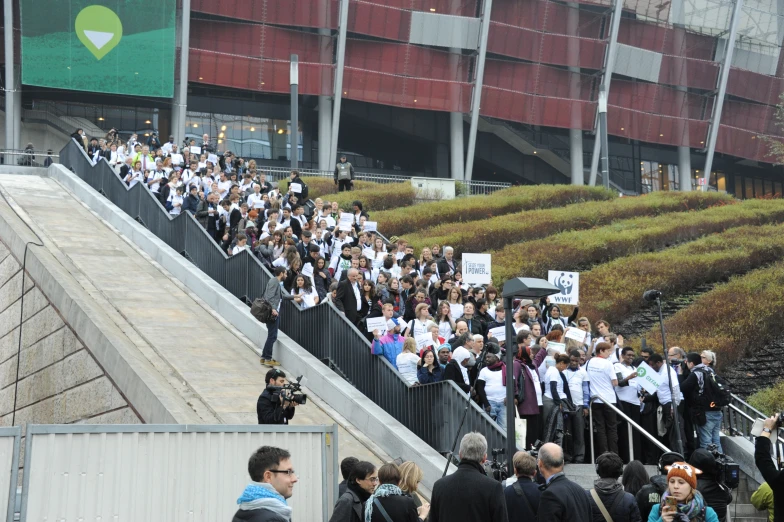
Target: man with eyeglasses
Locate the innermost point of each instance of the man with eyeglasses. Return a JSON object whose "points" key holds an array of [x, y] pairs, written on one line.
{"points": [[272, 406], [273, 479]]}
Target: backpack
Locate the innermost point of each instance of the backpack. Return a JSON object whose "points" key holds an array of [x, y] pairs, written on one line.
{"points": [[261, 310], [715, 391]]}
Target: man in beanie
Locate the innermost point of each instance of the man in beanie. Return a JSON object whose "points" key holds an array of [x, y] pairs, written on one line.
{"points": [[391, 344]]}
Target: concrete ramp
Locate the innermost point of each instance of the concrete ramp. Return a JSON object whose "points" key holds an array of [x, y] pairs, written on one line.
{"points": [[131, 344]]}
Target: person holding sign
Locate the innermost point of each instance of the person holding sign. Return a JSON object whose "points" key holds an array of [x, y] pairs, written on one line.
{"points": [[391, 344], [295, 179], [419, 324], [602, 382], [491, 386]]}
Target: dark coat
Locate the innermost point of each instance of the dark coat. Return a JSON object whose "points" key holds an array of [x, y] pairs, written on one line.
{"points": [[564, 500], [452, 372], [621, 506], [516, 506], [270, 411], [400, 508], [468, 495], [716, 495], [772, 476], [650, 495], [257, 515], [346, 302], [426, 377], [444, 268], [348, 508]]}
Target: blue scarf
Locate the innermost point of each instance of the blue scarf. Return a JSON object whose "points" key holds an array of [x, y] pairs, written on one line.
{"points": [[693, 509], [384, 490], [261, 495]]}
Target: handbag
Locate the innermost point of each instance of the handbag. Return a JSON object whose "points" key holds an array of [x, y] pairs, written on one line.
{"points": [[261, 309], [520, 430]]}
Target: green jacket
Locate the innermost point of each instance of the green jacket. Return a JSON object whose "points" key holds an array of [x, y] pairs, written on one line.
{"points": [[762, 499]]}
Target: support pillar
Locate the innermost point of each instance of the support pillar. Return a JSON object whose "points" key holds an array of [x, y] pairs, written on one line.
{"points": [[684, 168], [340, 61], [476, 99], [609, 64], [10, 76], [575, 132], [180, 105], [326, 160], [576, 156], [718, 102], [18, 110], [456, 145], [294, 136]]}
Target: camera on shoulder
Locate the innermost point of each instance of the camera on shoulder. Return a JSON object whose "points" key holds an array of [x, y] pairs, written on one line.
{"points": [[291, 391]]}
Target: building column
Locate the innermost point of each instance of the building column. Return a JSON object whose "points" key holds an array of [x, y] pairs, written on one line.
{"points": [[18, 109], [180, 105], [684, 168], [718, 102], [575, 132], [10, 76], [339, 67], [325, 159], [456, 144], [476, 99], [609, 63]]}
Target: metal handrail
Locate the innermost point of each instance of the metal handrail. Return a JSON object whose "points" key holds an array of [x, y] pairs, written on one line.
{"points": [[749, 417], [629, 423]]}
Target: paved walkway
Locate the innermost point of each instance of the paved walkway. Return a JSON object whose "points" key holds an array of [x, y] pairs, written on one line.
{"points": [[211, 364]]}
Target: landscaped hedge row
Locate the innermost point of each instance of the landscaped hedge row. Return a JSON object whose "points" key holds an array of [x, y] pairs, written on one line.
{"points": [[613, 291], [319, 186], [403, 221], [497, 232], [770, 400], [374, 196], [581, 250], [732, 317]]}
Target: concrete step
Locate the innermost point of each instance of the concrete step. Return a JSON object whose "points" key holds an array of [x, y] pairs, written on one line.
{"points": [[744, 510]]}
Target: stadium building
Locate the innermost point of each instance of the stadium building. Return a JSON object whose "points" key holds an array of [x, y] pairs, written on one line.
{"points": [[502, 90]]}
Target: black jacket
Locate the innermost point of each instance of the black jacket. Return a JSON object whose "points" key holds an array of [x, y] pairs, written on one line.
{"points": [[716, 495], [516, 506], [346, 301], [400, 508], [302, 197], [348, 508], [452, 372], [564, 500], [650, 495], [444, 267], [468, 495], [257, 515], [621, 505], [774, 477], [270, 411]]}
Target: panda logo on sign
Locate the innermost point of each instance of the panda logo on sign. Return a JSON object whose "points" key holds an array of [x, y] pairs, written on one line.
{"points": [[565, 283]]}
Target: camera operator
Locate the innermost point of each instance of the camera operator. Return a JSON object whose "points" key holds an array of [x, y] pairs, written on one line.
{"points": [[716, 494], [764, 462], [274, 405]]}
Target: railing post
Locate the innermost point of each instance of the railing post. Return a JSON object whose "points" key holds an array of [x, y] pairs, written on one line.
{"points": [[590, 429], [631, 442]]}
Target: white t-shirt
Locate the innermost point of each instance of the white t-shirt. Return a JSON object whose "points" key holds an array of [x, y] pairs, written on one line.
{"points": [[553, 375], [406, 363], [627, 393], [575, 380], [417, 327], [445, 329], [601, 374], [494, 387], [255, 201], [664, 390], [308, 298]]}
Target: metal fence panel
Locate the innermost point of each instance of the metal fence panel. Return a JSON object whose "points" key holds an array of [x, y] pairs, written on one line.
{"points": [[166, 472], [341, 343], [10, 438]]}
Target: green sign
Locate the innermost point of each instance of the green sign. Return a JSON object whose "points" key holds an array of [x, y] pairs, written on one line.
{"points": [[111, 46]]}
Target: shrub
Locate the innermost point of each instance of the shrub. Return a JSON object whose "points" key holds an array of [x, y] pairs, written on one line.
{"points": [[319, 186], [770, 400], [403, 221], [613, 291], [382, 196], [579, 250], [496, 232], [731, 317]]}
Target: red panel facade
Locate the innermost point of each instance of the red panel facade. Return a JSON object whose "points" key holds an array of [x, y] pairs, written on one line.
{"points": [[296, 13]]}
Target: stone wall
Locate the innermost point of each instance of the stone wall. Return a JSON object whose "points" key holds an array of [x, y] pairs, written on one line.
{"points": [[60, 381]]}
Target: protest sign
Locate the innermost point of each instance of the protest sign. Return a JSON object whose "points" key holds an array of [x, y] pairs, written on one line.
{"points": [[455, 310], [424, 340], [476, 269], [346, 221], [377, 323], [569, 284], [648, 378], [195, 150], [371, 226], [576, 334], [213, 158], [369, 253], [177, 159], [307, 270], [499, 332], [296, 188], [558, 347]]}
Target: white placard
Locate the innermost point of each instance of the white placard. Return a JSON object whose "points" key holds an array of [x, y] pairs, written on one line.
{"points": [[296, 188], [212, 158], [177, 159], [568, 282], [376, 323], [648, 378], [307, 270], [558, 347], [424, 340], [476, 269], [371, 226], [576, 334], [369, 253], [499, 332], [346, 221], [195, 150]]}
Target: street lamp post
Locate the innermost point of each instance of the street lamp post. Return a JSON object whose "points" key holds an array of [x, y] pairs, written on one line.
{"points": [[605, 156]]}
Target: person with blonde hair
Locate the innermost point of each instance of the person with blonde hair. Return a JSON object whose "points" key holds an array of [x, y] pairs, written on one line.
{"points": [[410, 477], [389, 502], [407, 361]]}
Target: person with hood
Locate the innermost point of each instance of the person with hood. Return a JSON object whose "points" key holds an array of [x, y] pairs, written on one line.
{"points": [[716, 495], [762, 500], [362, 482], [608, 493], [491, 386], [429, 369], [391, 344], [682, 502], [650, 495], [272, 483], [457, 369], [528, 391]]}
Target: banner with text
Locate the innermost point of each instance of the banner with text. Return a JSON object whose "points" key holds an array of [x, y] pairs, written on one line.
{"points": [[476, 269], [112, 46], [569, 283], [649, 379]]}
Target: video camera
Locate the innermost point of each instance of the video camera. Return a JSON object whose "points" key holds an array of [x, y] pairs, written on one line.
{"points": [[727, 470], [496, 469], [291, 391]]}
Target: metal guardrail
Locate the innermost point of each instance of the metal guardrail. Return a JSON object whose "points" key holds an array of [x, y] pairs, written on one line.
{"points": [[431, 411], [739, 418], [629, 423], [26, 158]]}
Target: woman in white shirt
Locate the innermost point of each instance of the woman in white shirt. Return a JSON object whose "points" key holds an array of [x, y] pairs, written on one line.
{"points": [[407, 362], [174, 203], [306, 291], [455, 301], [554, 392], [446, 324], [419, 325], [134, 175]]}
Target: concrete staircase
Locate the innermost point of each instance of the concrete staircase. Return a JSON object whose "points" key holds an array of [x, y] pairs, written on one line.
{"points": [[741, 509]]}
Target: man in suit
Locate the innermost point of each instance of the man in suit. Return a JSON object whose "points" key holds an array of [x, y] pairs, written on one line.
{"points": [[562, 500], [448, 265], [349, 297], [469, 495]]}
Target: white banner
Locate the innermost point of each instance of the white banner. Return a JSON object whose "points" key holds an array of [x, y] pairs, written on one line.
{"points": [[371, 226], [568, 282], [377, 323], [576, 334], [499, 332], [195, 150], [213, 158], [424, 340], [177, 159], [346, 221], [307, 270], [558, 347], [649, 379], [476, 269], [296, 188]]}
